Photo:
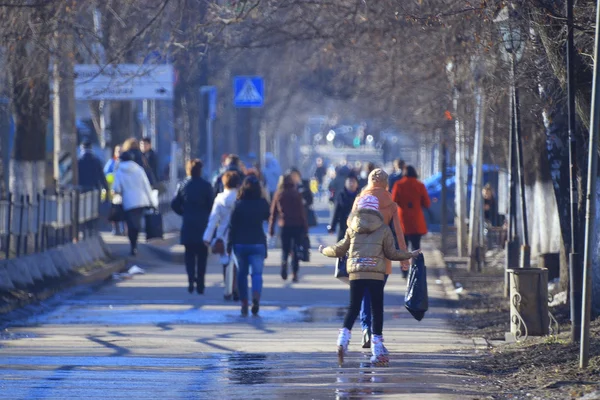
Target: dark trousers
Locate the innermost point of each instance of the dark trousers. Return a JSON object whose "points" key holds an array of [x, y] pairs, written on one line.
{"points": [[357, 291], [195, 263], [290, 237], [133, 218], [414, 240]]}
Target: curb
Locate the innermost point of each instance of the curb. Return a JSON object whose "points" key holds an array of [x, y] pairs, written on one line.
{"points": [[443, 276], [164, 252], [95, 277]]}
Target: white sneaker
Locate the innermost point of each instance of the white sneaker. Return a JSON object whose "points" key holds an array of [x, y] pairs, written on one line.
{"points": [[380, 355], [342, 344]]}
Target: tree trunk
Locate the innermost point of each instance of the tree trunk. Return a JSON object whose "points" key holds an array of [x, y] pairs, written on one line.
{"points": [[30, 105]]}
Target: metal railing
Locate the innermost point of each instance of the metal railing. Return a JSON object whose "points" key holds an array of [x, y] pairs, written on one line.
{"points": [[32, 224]]}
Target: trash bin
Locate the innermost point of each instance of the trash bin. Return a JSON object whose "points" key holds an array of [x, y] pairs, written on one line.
{"points": [[529, 302]]}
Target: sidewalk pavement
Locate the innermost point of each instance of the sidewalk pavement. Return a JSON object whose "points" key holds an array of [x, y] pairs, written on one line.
{"points": [[148, 338]]}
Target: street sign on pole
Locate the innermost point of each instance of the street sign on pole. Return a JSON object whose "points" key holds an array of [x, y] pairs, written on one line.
{"points": [[123, 82], [248, 91]]}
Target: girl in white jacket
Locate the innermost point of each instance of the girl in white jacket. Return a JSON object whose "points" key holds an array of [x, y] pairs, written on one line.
{"points": [[218, 223], [132, 184]]}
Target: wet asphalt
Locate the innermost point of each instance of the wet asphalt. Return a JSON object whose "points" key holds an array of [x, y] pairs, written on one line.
{"points": [[146, 337]]}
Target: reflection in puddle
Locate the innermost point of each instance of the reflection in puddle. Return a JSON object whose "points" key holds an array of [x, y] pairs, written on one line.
{"points": [[248, 369], [353, 387]]}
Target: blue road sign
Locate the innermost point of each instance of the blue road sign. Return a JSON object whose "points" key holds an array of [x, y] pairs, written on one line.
{"points": [[249, 91]]}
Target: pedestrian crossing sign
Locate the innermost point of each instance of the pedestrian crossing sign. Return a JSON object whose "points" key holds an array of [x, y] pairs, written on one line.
{"points": [[249, 91]]}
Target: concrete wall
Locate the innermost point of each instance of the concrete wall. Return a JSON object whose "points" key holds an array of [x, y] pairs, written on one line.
{"points": [[35, 272]]}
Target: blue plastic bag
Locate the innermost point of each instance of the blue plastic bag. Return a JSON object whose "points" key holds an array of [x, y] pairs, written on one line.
{"points": [[416, 299]]}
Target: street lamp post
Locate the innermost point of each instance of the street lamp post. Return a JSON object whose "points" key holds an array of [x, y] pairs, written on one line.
{"points": [[513, 40]]}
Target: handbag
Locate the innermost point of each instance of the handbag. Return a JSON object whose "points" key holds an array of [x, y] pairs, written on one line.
{"points": [[341, 272], [116, 213], [303, 249], [154, 225], [218, 246]]}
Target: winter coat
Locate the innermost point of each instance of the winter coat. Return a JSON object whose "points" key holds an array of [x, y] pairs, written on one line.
{"points": [[271, 172], [140, 160], [395, 177], [287, 210], [369, 243], [132, 184], [220, 215], [109, 167], [307, 196], [194, 202], [91, 173], [152, 160], [246, 226], [389, 210], [343, 207], [411, 196], [218, 186]]}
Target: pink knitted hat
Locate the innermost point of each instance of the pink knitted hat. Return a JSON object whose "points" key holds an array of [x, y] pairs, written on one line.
{"points": [[368, 202]]}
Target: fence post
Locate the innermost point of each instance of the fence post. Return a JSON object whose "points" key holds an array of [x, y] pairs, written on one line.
{"points": [[27, 213], [44, 229], [61, 225], [75, 221], [20, 233], [9, 225]]}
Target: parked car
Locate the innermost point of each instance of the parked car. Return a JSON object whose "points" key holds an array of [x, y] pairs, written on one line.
{"points": [[433, 184]]}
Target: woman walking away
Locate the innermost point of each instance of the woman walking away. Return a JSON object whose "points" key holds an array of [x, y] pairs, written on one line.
{"points": [[287, 209], [343, 207], [132, 184], [194, 201], [370, 243], [248, 241], [377, 186], [411, 196], [217, 231]]}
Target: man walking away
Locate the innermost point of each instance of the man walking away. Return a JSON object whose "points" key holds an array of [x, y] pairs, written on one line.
{"points": [[91, 172], [232, 163], [399, 166], [150, 155]]}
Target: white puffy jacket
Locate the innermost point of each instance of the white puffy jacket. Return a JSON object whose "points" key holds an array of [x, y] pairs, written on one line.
{"points": [[132, 184], [220, 216]]}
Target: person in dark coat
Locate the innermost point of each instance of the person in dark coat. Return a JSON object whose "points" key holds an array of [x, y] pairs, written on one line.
{"points": [[149, 155], [232, 163], [343, 207], [194, 201], [288, 213], [132, 146], [91, 172], [399, 167], [248, 241], [303, 186]]}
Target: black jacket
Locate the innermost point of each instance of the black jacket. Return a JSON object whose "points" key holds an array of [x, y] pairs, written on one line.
{"points": [[218, 184], [140, 160], [194, 201], [152, 160], [246, 225], [343, 207], [307, 195], [91, 173]]}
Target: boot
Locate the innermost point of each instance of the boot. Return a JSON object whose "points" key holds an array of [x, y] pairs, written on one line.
{"points": [[244, 308], [342, 344], [379, 358], [366, 339], [284, 270], [255, 303], [191, 287]]}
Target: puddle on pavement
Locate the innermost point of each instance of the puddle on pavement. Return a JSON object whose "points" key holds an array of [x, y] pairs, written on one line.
{"points": [[247, 369], [8, 335]]}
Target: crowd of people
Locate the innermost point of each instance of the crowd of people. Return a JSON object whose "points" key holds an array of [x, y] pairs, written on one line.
{"points": [[374, 216], [231, 214]]}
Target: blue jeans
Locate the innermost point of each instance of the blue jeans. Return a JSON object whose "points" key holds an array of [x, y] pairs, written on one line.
{"points": [[249, 255], [365, 308]]}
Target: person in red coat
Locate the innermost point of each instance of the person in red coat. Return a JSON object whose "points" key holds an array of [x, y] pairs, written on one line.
{"points": [[411, 196]]}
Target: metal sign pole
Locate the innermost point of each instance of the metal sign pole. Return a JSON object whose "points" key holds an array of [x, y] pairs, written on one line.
{"points": [[590, 216]]}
